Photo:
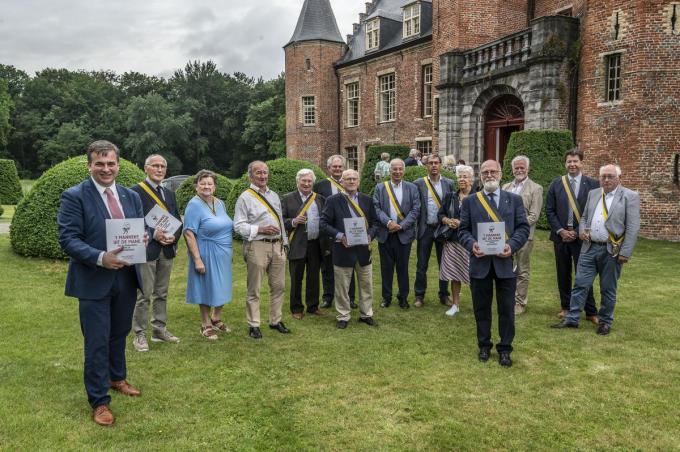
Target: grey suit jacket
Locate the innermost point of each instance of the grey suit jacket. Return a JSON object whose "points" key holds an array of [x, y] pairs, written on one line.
{"points": [[410, 206], [624, 217], [532, 198], [447, 186]]}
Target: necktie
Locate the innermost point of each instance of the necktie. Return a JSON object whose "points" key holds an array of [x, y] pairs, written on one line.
{"points": [[116, 213], [491, 196], [159, 189], [570, 215]]}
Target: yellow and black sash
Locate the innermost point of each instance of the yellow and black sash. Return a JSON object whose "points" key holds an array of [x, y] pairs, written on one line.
{"points": [[433, 192], [490, 211], [393, 200], [151, 192], [337, 185], [303, 210], [356, 208], [572, 199], [267, 206], [616, 241]]}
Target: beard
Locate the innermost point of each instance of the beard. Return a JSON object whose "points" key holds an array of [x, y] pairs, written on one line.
{"points": [[491, 185]]}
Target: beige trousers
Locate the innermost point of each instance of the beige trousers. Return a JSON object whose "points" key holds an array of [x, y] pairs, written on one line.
{"points": [[264, 258], [155, 280], [343, 276], [522, 258]]}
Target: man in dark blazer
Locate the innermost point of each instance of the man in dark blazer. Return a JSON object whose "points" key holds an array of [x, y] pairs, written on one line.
{"points": [[348, 259], [106, 287], [301, 211], [160, 254], [327, 188], [564, 224], [487, 270], [397, 205], [432, 189]]}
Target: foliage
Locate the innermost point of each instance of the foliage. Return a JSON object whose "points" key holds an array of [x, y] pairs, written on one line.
{"points": [[2, 210], [34, 226], [373, 157], [10, 186], [186, 191], [6, 106], [545, 149]]}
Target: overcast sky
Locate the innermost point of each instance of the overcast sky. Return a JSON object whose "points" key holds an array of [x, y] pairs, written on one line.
{"points": [[154, 36]]}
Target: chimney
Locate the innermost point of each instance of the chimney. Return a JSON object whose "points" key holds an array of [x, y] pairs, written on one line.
{"points": [[362, 17], [355, 28], [369, 6]]}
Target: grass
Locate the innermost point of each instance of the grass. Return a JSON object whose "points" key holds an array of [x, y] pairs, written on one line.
{"points": [[413, 383]]}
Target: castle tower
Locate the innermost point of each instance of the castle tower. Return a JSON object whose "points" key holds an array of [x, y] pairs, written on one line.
{"points": [[312, 85]]}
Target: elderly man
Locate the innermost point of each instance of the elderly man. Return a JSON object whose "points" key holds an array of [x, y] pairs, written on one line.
{"points": [[257, 218], [412, 159], [301, 213], [432, 188], [608, 229], [327, 188], [532, 198], [397, 205], [160, 254], [567, 196], [496, 206], [350, 259]]}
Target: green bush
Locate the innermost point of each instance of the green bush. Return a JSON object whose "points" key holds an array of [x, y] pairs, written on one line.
{"points": [[34, 226], [186, 191], [2, 210], [10, 186], [545, 149], [372, 157]]}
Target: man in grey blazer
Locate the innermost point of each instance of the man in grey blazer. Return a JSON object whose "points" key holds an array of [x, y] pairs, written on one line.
{"points": [[397, 205], [532, 198], [432, 189], [609, 229]]}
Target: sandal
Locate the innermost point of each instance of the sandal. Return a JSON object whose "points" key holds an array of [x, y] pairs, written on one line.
{"points": [[208, 333], [220, 325]]}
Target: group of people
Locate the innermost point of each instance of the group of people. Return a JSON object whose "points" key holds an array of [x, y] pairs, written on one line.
{"points": [[593, 226]]}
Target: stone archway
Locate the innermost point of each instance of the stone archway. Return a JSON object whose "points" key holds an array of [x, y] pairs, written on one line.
{"points": [[504, 115]]}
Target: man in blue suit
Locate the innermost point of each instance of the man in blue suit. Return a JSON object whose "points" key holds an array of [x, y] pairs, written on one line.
{"points": [[106, 286], [486, 270], [397, 204]]}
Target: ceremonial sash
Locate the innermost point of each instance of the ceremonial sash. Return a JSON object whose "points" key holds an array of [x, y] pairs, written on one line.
{"points": [[267, 206], [572, 199], [357, 209], [616, 242], [149, 191], [433, 192], [337, 185], [303, 210], [489, 210], [393, 200]]}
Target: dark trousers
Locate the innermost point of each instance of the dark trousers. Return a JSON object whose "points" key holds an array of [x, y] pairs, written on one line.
{"points": [[424, 250], [328, 279], [394, 254], [105, 323], [482, 297], [312, 262], [566, 260]]}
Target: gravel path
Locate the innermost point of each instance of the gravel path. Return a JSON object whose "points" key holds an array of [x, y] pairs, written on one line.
{"points": [[4, 228]]}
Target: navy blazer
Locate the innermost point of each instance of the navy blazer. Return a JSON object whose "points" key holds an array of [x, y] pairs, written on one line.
{"points": [[332, 221], [513, 214], [557, 204], [410, 206], [290, 206], [153, 250], [82, 235], [447, 187], [323, 187]]}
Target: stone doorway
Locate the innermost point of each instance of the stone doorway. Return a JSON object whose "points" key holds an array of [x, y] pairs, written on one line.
{"points": [[504, 115]]}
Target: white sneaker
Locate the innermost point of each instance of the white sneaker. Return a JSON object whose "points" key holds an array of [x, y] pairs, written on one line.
{"points": [[140, 343], [452, 311]]}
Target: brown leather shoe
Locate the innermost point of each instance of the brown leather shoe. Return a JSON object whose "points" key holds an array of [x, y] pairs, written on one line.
{"points": [[124, 387], [593, 319], [562, 314], [419, 302], [318, 312], [102, 415], [298, 315]]}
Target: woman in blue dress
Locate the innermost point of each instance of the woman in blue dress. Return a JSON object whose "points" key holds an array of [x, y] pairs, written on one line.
{"points": [[208, 233]]}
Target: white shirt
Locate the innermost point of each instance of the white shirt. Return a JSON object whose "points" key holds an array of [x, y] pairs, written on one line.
{"points": [[100, 189], [334, 188], [312, 225], [432, 208], [496, 196], [598, 230], [577, 183], [156, 187], [517, 187], [398, 191], [250, 214]]}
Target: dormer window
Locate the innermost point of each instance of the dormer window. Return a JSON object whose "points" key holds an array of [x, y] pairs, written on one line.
{"points": [[372, 34], [412, 20]]}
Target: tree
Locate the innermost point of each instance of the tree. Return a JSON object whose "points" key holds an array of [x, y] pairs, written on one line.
{"points": [[70, 141], [6, 105]]}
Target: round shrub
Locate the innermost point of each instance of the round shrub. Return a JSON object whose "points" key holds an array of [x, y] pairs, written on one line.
{"points": [[34, 226], [186, 191], [2, 210], [372, 157], [10, 186]]}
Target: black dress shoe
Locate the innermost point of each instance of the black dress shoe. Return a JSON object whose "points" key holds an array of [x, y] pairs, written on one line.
{"points": [[342, 324], [404, 304], [385, 304], [280, 327], [326, 304], [484, 354], [353, 305], [368, 321], [254, 332], [564, 324], [504, 359], [603, 329]]}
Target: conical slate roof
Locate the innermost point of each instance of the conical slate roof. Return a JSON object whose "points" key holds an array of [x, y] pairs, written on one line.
{"points": [[316, 21]]}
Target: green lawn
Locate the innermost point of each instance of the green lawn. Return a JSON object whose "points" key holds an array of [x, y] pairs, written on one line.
{"points": [[413, 383], [26, 185]]}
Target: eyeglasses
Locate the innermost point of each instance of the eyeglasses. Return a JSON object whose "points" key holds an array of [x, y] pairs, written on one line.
{"points": [[490, 173], [608, 176]]}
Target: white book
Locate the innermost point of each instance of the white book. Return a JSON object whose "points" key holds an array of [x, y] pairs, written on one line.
{"points": [[128, 233], [158, 218], [491, 238], [355, 231]]}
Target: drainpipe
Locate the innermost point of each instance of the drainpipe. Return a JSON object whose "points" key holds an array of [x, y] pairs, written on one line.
{"points": [[531, 11]]}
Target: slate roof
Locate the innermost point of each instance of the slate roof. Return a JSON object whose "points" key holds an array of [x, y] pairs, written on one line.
{"points": [[316, 21]]}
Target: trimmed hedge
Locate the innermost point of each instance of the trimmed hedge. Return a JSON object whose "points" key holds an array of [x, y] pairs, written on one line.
{"points": [[34, 226], [372, 157], [2, 210], [545, 149], [186, 191], [10, 186]]}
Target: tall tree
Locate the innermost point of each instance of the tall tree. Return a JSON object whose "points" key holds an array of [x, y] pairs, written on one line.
{"points": [[5, 110]]}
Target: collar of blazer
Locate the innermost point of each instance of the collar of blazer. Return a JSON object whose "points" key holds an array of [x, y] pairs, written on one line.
{"points": [[99, 202]]}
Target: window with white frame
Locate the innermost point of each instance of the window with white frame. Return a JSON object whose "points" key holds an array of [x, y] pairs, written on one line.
{"points": [[352, 157], [424, 146], [372, 34], [308, 110], [388, 93], [613, 73], [352, 91], [412, 20], [427, 90]]}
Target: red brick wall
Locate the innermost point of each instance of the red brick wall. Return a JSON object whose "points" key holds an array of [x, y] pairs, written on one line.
{"points": [[551, 7]]}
